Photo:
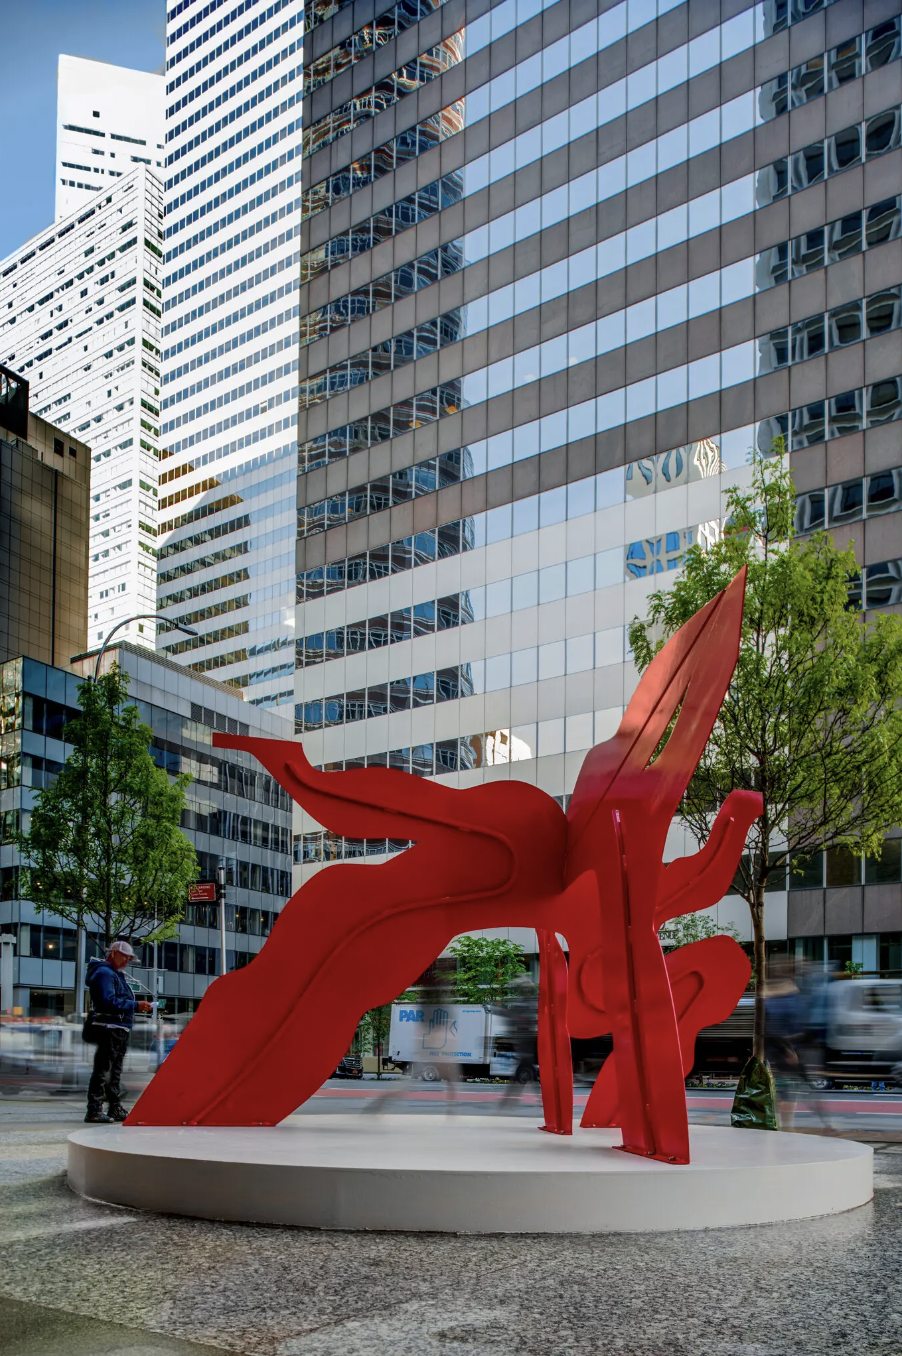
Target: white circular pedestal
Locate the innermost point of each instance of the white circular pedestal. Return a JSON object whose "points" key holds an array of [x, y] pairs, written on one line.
{"points": [[465, 1174]]}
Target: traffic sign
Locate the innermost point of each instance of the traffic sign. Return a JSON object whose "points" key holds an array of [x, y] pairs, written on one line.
{"points": [[202, 892]]}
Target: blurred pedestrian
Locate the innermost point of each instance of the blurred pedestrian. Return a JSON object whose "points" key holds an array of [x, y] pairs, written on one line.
{"points": [[784, 1027], [113, 1011], [796, 1007]]}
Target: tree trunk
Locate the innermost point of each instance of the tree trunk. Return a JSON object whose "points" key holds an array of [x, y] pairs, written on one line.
{"points": [[757, 910]]}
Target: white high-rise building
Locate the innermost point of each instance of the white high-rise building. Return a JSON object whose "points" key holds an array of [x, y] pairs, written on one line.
{"points": [[108, 119], [80, 309], [230, 342]]}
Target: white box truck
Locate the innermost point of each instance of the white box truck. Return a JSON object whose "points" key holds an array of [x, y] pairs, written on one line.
{"points": [[436, 1040]]}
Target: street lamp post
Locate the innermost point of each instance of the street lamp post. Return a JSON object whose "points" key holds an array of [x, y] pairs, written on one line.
{"points": [[82, 935], [139, 616], [221, 882]]}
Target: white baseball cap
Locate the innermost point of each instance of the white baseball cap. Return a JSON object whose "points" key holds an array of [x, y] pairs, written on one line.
{"points": [[122, 947]]}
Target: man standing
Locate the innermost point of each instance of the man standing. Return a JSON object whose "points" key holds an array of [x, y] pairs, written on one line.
{"points": [[114, 1006]]}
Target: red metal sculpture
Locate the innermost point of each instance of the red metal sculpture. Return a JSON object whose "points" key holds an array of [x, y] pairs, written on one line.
{"points": [[496, 855]]}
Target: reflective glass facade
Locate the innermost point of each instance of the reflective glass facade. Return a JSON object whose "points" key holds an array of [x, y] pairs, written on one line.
{"points": [[229, 338], [550, 299]]}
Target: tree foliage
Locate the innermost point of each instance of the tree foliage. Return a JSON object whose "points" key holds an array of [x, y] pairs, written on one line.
{"points": [[812, 718], [104, 848], [487, 969], [372, 1033], [692, 927]]}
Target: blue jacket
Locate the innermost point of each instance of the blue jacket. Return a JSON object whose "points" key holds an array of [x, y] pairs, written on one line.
{"points": [[113, 1002]]}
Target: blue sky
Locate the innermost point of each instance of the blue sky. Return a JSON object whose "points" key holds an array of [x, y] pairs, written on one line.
{"points": [[32, 35]]}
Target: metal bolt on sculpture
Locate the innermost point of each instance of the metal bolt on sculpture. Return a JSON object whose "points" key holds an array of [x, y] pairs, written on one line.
{"points": [[497, 855]]}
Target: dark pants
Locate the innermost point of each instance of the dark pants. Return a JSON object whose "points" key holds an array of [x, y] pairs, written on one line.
{"points": [[104, 1085]]}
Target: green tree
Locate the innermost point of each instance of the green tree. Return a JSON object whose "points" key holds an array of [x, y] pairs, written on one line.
{"points": [[104, 849], [373, 1032], [813, 715], [487, 969], [692, 927]]}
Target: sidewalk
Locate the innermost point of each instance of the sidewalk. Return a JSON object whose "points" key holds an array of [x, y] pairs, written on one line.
{"points": [[801, 1289]]}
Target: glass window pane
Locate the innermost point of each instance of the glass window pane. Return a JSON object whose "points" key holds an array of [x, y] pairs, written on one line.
{"points": [[808, 425], [845, 414], [423, 618], [581, 497], [497, 672], [884, 311], [884, 401], [524, 666], [772, 267], [884, 492], [882, 222], [609, 567], [844, 325], [399, 695], [808, 338], [423, 689], [552, 583], [400, 625], [846, 502], [844, 237], [883, 44], [883, 583], [806, 81], [844, 149], [844, 63], [773, 351], [807, 252], [526, 515], [887, 867], [498, 598], [552, 660], [553, 506], [807, 166], [882, 133], [580, 576], [807, 874], [773, 98], [525, 590], [843, 867], [498, 523]]}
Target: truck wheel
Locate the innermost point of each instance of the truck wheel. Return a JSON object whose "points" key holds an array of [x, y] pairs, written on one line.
{"points": [[524, 1074], [430, 1074], [822, 1084]]}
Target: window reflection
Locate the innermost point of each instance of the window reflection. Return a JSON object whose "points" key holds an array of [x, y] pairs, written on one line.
{"points": [[884, 492], [846, 502], [694, 461], [810, 511]]}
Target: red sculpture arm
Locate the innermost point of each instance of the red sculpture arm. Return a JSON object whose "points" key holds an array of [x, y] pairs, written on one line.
{"points": [[705, 978], [697, 882], [624, 801], [555, 1057], [265, 1037]]}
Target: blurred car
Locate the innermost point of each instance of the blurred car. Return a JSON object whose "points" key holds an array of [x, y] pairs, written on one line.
{"points": [[350, 1066]]}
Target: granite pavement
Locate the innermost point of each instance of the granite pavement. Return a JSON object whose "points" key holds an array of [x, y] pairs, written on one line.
{"points": [[79, 1278]]}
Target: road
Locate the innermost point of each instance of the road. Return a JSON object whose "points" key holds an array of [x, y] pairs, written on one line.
{"points": [[864, 1112], [877, 1115]]}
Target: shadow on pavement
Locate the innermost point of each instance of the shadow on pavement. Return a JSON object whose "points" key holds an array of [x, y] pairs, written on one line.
{"points": [[33, 1330]]}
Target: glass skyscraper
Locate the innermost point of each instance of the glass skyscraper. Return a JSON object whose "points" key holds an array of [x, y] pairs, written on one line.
{"points": [[562, 267], [229, 341]]}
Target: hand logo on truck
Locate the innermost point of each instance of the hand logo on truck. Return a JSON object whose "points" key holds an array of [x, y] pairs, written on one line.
{"points": [[435, 1037], [502, 854]]}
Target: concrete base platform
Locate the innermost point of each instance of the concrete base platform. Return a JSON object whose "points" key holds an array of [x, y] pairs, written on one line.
{"points": [[465, 1174]]}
